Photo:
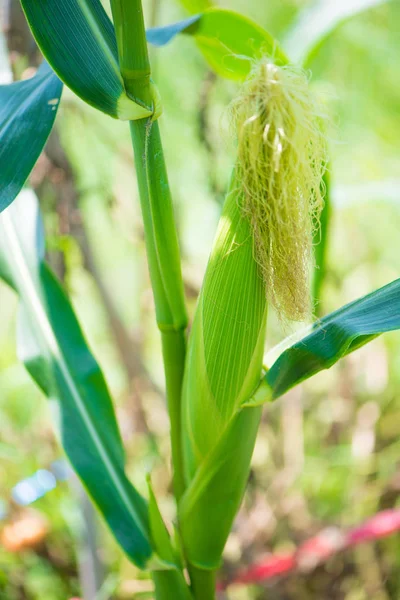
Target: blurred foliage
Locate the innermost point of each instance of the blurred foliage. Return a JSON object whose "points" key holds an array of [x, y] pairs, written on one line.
{"points": [[328, 452]]}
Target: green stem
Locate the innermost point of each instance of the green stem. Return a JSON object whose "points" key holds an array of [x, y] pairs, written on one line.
{"points": [[174, 349], [159, 224], [203, 583], [164, 265], [170, 585], [163, 256], [132, 49]]}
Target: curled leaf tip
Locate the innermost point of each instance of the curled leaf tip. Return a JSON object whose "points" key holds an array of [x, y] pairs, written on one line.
{"points": [[281, 160]]}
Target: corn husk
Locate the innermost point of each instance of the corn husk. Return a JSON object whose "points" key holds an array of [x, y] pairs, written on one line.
{"points": [[225, 352], [224, 364], [261, 256]]}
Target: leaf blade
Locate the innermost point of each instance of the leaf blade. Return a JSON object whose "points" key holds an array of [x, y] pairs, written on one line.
{"points": [[52, 346], [78, 40], [27, 112], [229, 41], [333, 337], [317, 22], [161, 36], [193, 6]]}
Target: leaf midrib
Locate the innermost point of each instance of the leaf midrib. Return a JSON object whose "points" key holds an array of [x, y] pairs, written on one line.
{"points": [[100, 38]]}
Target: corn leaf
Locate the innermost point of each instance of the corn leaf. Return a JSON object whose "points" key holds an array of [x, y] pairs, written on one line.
{"points": [[228, 40], [331, 338], [214, 495], [195, 6], [52, 346], [317, 22], [161, 36], [159, 533], [27, 112], [169, 582], [78, 40]]}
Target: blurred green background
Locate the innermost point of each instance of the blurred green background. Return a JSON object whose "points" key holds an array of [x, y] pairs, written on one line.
{"points": [[327, 454]]}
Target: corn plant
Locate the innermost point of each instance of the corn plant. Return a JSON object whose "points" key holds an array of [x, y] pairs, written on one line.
{"points": [[216, 379]]}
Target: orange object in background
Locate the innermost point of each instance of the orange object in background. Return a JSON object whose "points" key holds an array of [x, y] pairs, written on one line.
{"points": [[26, 531]]}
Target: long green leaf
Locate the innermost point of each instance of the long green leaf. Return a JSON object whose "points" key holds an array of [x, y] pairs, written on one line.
{"points": [[78, 40], [169, 583], [52, 346], [229, 41], [317, 22], [331, 338], [27, 112], [211, 501]]}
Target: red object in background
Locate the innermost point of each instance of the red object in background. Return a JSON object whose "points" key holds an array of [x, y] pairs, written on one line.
{"points": [[319, 548], [273, 566], [383, 524]]}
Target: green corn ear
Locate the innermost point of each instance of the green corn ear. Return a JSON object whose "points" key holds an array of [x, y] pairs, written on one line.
{"points": [[223, 367], [227, 339], [261, 255]]}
